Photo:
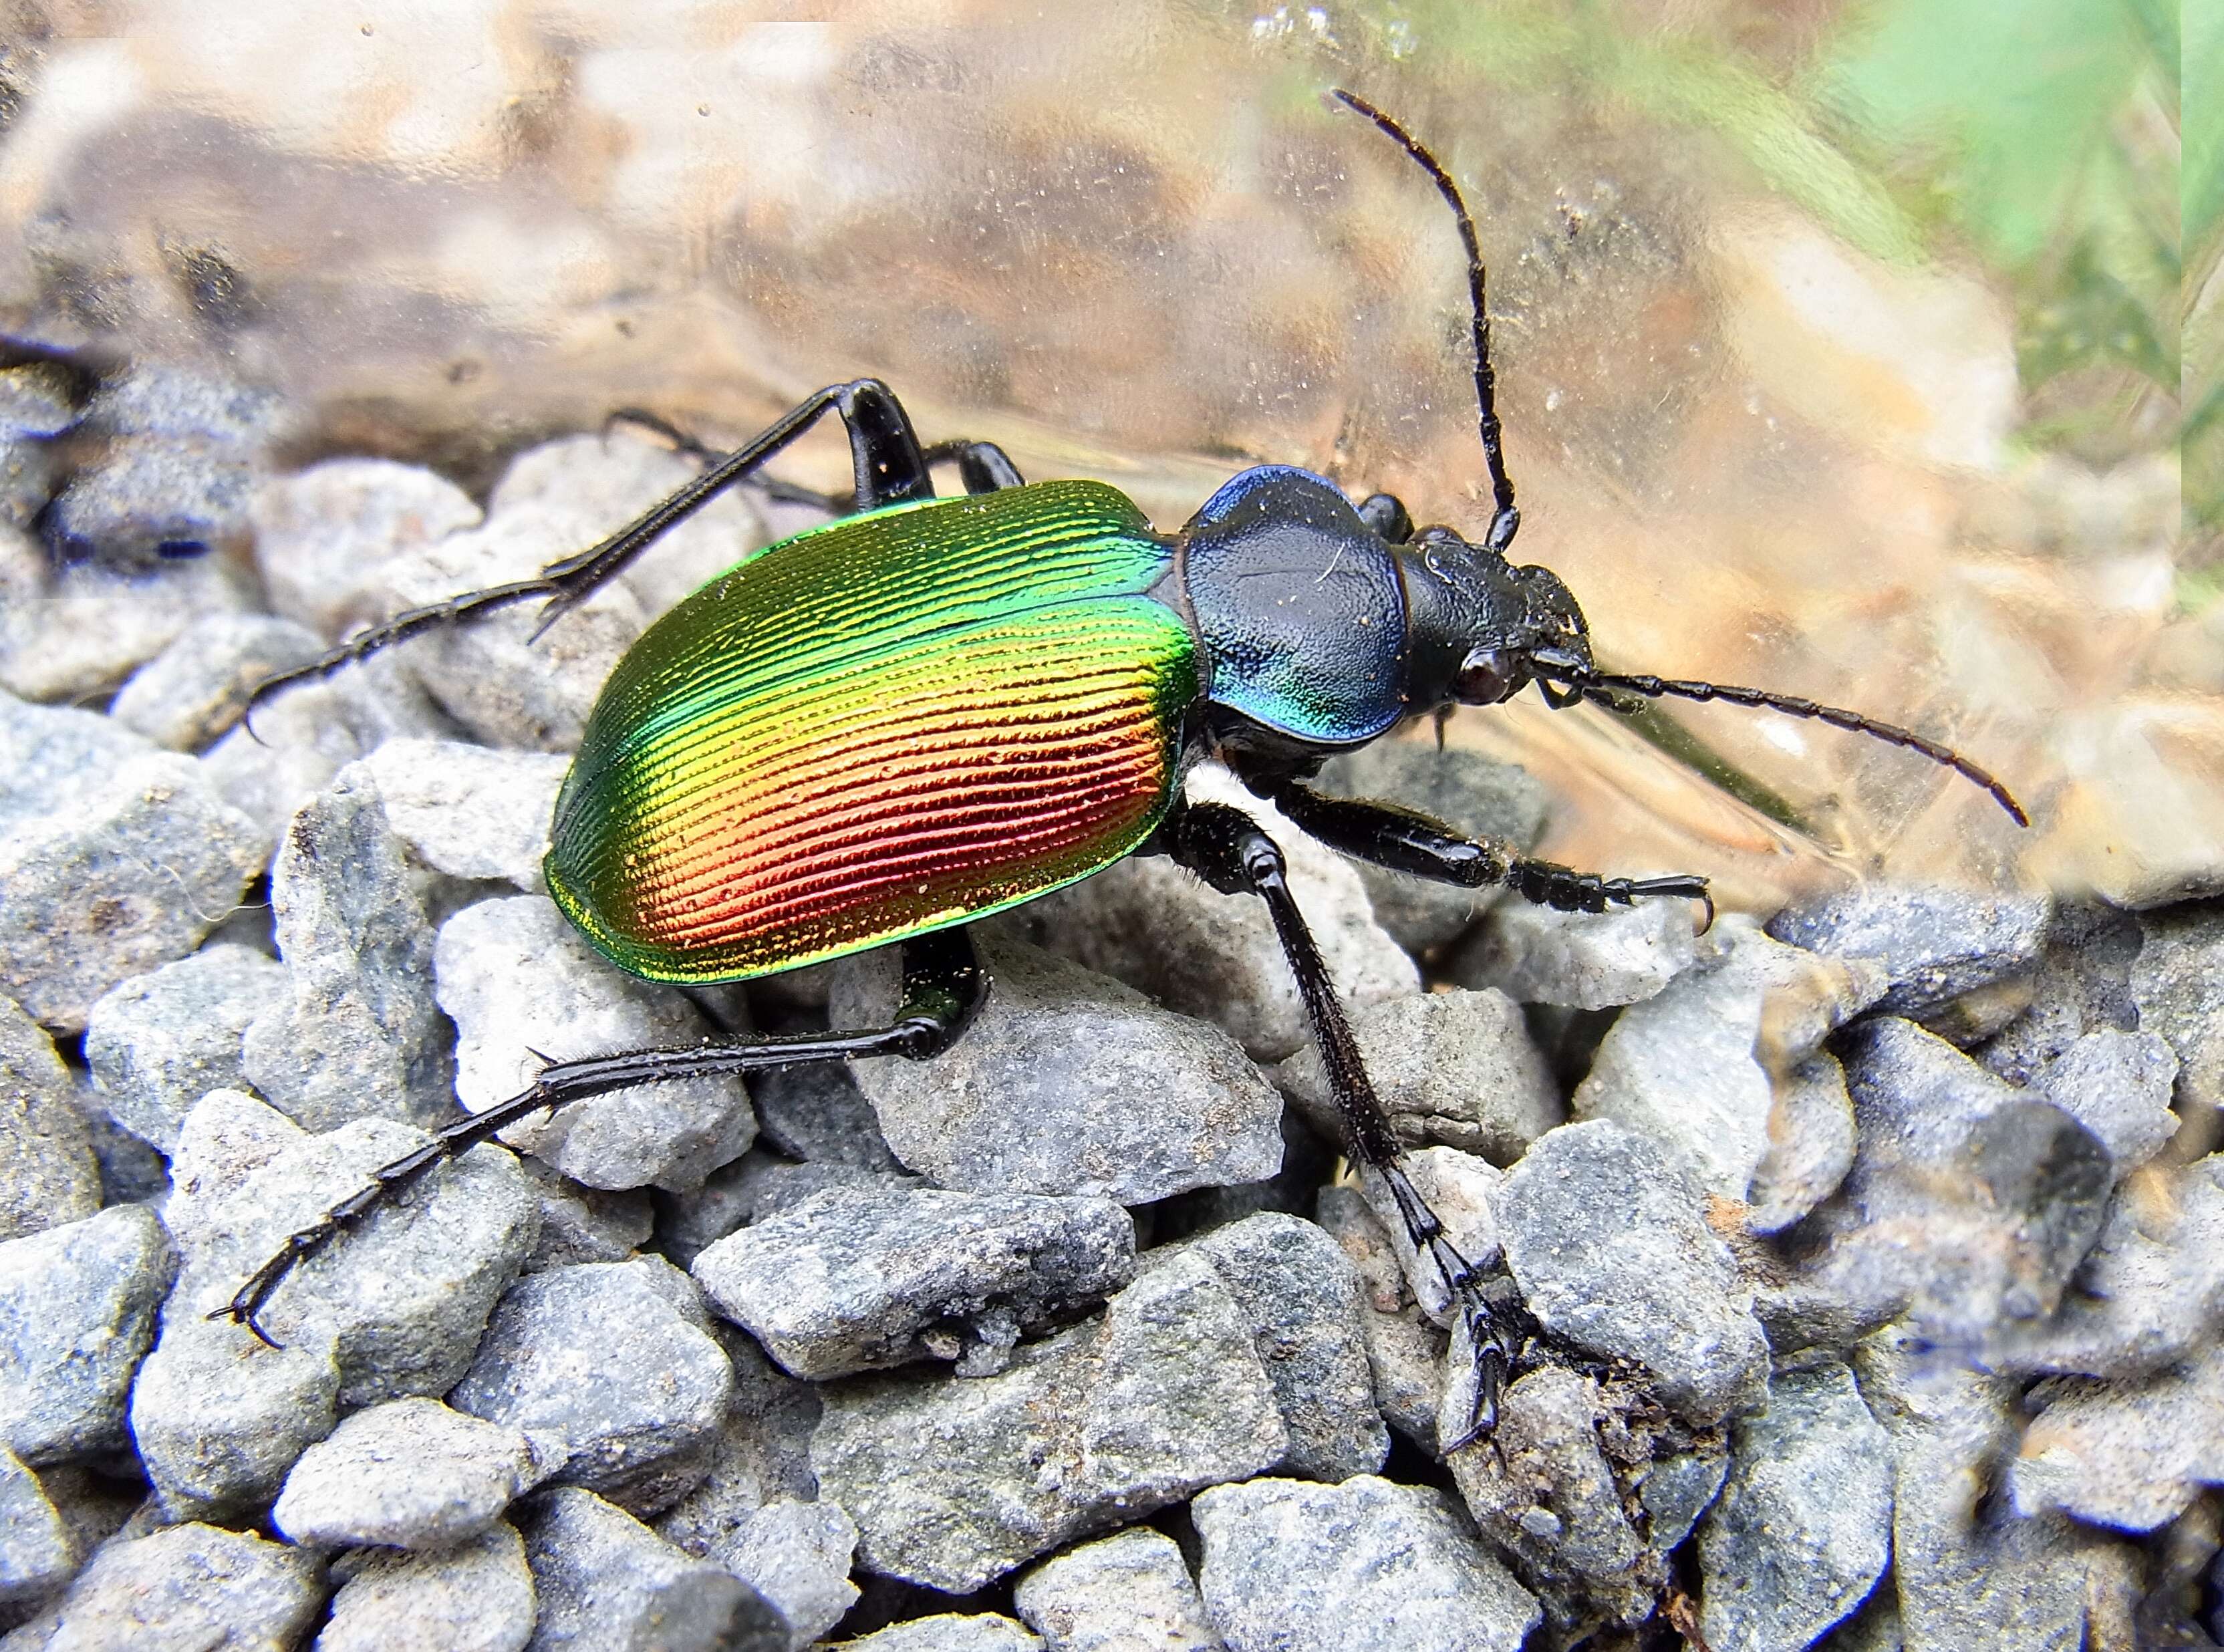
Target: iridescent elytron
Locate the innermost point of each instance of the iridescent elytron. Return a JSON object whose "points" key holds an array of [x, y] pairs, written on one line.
{"points": [[881, 726]]}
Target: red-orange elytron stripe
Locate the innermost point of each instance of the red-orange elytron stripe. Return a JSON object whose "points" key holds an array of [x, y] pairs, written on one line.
{"points": [[882, 727]]}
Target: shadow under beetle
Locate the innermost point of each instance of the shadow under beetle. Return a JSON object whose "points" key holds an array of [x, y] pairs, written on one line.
{"points": [[931, 710]]}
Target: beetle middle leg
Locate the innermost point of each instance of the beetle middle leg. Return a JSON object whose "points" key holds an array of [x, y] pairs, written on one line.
{"points": [[1404, 840], [944, 985], [1230, 852]]}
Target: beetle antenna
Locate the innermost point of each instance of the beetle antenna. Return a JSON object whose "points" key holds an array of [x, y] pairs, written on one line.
{"points": [[1602, 687], [1505, 519]]}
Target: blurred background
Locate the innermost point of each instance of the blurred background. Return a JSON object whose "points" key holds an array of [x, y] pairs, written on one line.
{"points": [[1868, 351]]}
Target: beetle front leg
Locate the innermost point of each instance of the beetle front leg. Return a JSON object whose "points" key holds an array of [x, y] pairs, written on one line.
{"points": [[1403, 841], [1228, 849], [944, 986]]}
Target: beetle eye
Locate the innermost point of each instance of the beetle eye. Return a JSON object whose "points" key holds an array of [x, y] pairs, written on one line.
{"points": [[1484, 677]]}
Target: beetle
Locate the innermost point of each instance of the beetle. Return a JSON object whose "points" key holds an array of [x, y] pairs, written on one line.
{"points": [[931, 710]]}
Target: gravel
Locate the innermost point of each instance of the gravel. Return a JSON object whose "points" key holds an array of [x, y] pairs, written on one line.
{"points": [[37, 1555], [76, 1315], [602, 1579], [1962, 964], [190, 694], [1118, 1594], [186, 1588], [1579, 960], [475, 1596], [2132, 1457], [48, 1171], [408, 1474], [468, 811], [160, 1041]]}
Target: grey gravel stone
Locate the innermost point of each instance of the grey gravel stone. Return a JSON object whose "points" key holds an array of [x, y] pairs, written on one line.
{"points": [[1301, 1296], [28, 472], [1455, 1068], [753, 1188], [2132, 1457], [797, 1556], [401, 1298], [323, 534], [187, 1588], [160, 1041], [186, 696], [38, 398], [602, 1579], [817, 1113], [1583, 960], [37, 1554], [761, 1457], [1130, 1592], [356, 1034], [1066, 1083], [585, 1224], [949, 1632], [1613, 1254], [1404, 1353], [1803, 1530], [1462, 1191], [116, 859], [2083, 985], [1721, 1068], [609, 1364], [1464, 789], [1543, 1490], [2118, 1086], [76, 632], [2177, 983], [48, 1171], [1970, 1202], [518, 978], [1675, 1491], [77, 1313], [1364, 1566], [406, 1474], [218, 1419], [470, 811], [854, 1280], [474, 1597], [953, 1481], [553, 500], [1937, 946], [1160, 929], [2150, 1291]]}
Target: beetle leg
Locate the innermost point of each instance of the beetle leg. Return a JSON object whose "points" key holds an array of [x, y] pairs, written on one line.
{"points": [[885, 453], [1383, 834], [944, 985], [1387, 514], [685, 441], [1228, 849], [983, 466]]}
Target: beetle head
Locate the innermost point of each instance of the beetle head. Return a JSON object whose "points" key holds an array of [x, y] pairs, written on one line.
{"points": [[1480, 629]]}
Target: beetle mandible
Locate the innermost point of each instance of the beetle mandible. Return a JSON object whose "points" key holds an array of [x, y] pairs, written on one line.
{"points": [[931, 710]]}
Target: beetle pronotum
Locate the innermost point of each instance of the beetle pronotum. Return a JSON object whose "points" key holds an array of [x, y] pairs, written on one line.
{"points": [[931, 710]]}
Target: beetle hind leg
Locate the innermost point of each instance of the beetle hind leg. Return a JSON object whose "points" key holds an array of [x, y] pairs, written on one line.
{"points": [[1228, 849], [944, 986]]}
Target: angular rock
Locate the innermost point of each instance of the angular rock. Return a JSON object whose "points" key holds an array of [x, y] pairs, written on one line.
{"points": [[48, 1171], [322, 535], [1613, 1254], [2178, 984], [406, 1474], [2150, 1291], [470, 811], [37, 1554], [2083, 985], [1455, 1068], [401, 1298], [1147, 922], [1464, 789], [1118, 1594], [2118, 1086], [1364, 1566], [356, 1034], [1583, 960], [1066, 1083], [953, 1481], [186, 696], [753, 1188], [857, 1280], [817, 1113], [1404, 1353], [518, 978], [585, 1224], [218, 1419], [1721, 1068], [160, 1041], [1935, 945], [1969, 1201], [474, 1596], [38, 398], [188, 1588], [1300, 1294], [116, 859], [2129, 1457], [1462, 1190], [761, 1457], [27, 468], [797, 1556], [77, 1313], [949, 1632], [1803, 1530], [73, 633], [609, 1364], [602, 1579]]}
